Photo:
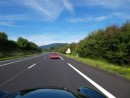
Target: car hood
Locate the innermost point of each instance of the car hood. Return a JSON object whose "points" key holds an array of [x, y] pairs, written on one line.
{"points": [[53, 92], [44, 93]]}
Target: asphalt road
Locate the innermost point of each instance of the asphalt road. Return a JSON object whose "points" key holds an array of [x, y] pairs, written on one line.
{"points": [[40, 71]]}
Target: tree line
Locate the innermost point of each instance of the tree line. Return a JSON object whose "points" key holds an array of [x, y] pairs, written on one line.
{"points": [[21, 45], [111, 44]]}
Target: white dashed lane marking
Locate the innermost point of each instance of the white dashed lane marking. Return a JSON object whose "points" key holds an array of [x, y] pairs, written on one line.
{"points": [[17, 75], [31, 66]]}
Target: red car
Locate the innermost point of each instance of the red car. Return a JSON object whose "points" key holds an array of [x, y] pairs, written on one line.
{"points": [[54, 56]]}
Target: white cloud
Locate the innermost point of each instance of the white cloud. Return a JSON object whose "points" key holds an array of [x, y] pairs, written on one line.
{"points": [[121, 15], [38, 6], [102, 18], [87, 19], [68, 5], [10, 20], [107, 3], [12, 17], [50, 9], [78, 19], [6, 23], [111, 4]]}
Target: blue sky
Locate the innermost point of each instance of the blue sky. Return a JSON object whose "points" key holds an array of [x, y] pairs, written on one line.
{"points": [[59, 21]]}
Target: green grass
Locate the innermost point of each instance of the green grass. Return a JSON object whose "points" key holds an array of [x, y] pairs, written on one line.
{"points": [[118, 70], [15, 55]]}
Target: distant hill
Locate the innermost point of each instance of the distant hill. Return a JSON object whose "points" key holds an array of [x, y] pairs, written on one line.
{"points": [[55, 45]]}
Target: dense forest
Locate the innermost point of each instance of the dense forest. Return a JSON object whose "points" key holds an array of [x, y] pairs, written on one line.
{"points": [[20, 47], [111, 44]]}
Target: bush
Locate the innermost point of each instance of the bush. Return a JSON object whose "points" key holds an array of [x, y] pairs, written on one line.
{"points": [[112, 44]]}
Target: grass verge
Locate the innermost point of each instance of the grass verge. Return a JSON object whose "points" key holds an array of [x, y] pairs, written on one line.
{"points": [[14, 57], [118, 70], [17, 55]]}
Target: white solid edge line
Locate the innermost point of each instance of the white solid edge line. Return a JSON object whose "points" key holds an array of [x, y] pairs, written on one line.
{"points": [[61, 57], [109, 95], [19, 60], [31, 66]]}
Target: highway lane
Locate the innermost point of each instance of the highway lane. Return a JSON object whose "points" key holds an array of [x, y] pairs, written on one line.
{"points": [[42, 71], [11, 68], [2, 63], [116, 85]]}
